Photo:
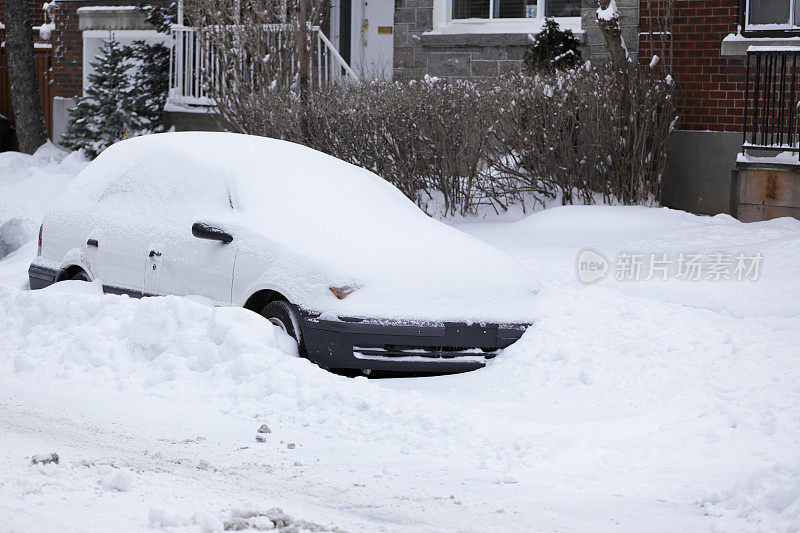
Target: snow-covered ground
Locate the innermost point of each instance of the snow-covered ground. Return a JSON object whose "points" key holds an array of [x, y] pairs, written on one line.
{"points": [[628, 406]]}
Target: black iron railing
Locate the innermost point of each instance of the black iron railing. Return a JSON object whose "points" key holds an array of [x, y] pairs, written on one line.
{"points": [[771, 104]]}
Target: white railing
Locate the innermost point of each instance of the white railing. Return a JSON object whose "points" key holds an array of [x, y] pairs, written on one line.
{"points": [[189, 63]]}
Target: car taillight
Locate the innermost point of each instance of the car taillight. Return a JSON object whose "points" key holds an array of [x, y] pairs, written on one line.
{"points": [[342, 292], [39, 252]]}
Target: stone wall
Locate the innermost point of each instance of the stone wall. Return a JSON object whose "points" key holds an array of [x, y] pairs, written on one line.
{"points": [[411, 19], [476, 54], [466, 55], [462, 55]]}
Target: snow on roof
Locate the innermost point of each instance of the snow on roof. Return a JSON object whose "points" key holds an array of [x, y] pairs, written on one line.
{"points": [[773, 48], [106, 8], [782, 158]]}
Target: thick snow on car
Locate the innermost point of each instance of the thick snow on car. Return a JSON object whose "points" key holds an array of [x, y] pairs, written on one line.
{"points": [[332, 254]]}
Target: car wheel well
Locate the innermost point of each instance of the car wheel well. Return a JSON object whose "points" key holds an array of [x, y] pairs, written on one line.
{"points": [[260, 299], [70, 272]]}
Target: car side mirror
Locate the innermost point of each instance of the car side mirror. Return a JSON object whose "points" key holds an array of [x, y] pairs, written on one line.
{"points": [[201, 230]]}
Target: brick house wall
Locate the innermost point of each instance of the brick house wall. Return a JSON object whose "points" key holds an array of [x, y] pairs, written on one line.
{"points": [[68, 45], [67, 40], [36, 12], [711, 87]]}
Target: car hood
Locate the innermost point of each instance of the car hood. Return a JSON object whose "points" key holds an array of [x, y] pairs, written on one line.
{"points": [[427, 272]]}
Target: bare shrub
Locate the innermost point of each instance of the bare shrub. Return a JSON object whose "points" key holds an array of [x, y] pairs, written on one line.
{"points": [[577, 134], [248, 46], [583, 132]]}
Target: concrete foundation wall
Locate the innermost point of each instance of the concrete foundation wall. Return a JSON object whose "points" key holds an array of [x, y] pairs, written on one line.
{"points": [[111, 18], [61, 107], [699, 165], [191, 121], [765, 191]]}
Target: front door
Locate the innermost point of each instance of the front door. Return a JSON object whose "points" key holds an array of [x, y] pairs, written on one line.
{"points": [[181, 264], [372, 38]]}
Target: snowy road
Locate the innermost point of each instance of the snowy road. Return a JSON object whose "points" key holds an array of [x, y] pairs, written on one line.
{"points": [[629, 405]]}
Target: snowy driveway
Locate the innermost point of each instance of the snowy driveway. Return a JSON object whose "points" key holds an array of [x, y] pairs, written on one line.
{"points": [[628, 406]]}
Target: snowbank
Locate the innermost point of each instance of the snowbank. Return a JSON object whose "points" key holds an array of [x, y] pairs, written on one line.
{"points": [[174, 348], [551, 240], [29, 185]]}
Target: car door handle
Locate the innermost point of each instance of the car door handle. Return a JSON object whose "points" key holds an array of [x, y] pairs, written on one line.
{"points": [[153, 253], [92, 242]]}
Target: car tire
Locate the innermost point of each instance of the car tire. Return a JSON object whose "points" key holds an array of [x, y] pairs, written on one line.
{"points": [[281, 314], [80, 276]]}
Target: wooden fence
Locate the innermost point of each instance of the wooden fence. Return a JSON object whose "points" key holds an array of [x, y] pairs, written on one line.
{"points": [[43, 58]]}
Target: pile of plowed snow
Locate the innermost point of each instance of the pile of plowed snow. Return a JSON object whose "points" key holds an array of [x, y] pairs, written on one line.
{"points": [[228, 358]]}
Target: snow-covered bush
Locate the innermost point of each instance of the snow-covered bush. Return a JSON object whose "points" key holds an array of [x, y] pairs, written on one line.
{"points": [[553, 49], [585, 132], [125, 97], [575, 134]]}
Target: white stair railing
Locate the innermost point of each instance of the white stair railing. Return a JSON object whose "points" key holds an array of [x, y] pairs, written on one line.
{"points": [[189, 64], [331, 66]]}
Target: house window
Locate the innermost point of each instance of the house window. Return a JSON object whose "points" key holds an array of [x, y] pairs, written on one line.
{"points": [[773, 15], [515, 9]]}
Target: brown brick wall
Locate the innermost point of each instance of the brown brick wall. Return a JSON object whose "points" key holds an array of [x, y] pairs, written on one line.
{"points": [[67, 40], [36, 11], [710, 86]]}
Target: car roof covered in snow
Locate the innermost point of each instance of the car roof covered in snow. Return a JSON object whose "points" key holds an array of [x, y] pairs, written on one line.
{"points": [[319, 207], [289, 191]]}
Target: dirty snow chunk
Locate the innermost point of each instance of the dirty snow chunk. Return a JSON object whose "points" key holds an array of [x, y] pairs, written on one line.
{"points": [[264, 429], [14, 233], [253, 519], [45, 459]]}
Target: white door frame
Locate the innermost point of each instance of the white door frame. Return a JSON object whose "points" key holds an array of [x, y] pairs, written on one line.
{"points": [[360, 60]]}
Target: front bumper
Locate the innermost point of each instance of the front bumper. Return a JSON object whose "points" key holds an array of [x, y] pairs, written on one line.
{"points": [[448, 347]]}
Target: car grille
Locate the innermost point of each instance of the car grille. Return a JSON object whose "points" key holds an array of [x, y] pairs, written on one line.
{"points": [[396, 352]]}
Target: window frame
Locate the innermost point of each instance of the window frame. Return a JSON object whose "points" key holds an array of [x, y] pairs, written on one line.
{"points": [[760, 30], [540, 15]]}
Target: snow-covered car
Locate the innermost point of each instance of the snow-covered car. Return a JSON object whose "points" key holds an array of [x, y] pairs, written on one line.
{"points": [[330, 253]]}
